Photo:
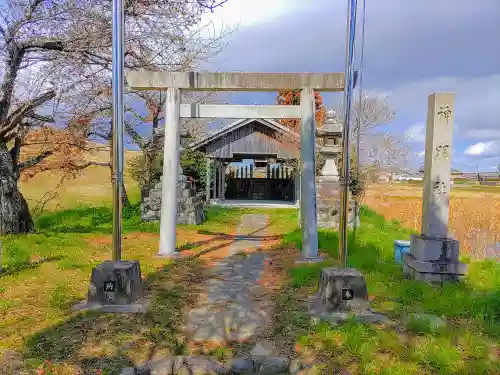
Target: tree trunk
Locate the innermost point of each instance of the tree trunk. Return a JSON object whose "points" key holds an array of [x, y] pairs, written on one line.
{"points": [[15, 217], [125, 200], [146, 183]]}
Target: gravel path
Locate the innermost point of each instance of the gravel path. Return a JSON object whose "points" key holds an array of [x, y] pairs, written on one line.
{"points": [[230, 310]]}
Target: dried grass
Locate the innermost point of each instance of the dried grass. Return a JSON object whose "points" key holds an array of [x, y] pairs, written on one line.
{"points": [[474, 214]]}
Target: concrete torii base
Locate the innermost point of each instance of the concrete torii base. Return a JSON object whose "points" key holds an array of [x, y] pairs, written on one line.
{"points": [[115, 287], [342, 294]]}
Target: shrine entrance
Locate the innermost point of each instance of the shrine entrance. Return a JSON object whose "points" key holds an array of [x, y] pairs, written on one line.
{"points": [[258, 179], [250, 161]]}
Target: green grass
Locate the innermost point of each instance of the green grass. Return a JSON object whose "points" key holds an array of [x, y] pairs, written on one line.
{"points": [[85, 219], [47, 272], [470, 308]]}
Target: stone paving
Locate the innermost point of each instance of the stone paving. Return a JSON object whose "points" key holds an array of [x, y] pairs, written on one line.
{"points": [[230, 310]]}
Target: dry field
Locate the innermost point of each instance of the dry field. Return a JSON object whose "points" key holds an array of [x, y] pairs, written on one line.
{"points": [[91, 187], [474, 213]]}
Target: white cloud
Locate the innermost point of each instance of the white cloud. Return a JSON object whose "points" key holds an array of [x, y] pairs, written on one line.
{"points": [[416, 133], [421, 154], [483, 149]]}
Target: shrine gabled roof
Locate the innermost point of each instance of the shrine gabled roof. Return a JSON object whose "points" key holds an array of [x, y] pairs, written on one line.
{"points": [[239, 124]]}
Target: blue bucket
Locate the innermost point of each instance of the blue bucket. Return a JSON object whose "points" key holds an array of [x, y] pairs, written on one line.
{"points": [[400, 247]]}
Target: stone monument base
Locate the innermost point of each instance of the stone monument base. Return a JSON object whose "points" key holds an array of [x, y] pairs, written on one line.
{"points": [[430, 249], [432, 271], [342, 294], [115, 287], [433, 259]]}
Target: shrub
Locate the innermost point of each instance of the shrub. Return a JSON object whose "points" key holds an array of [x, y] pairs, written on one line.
{"points": [[146, 169]]}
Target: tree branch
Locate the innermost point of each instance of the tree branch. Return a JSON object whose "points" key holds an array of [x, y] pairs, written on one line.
{"points": [[16, 117], [41, 43], [94, 163], [34, 160], [42, 118], [213, 5]]}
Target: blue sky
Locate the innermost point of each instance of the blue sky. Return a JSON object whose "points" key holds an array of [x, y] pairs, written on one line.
{"points": [[411, 51]]}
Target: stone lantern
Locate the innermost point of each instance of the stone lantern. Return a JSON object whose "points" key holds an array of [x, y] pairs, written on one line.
{"points": [[184, 134], [327, 185], [330, 139]]}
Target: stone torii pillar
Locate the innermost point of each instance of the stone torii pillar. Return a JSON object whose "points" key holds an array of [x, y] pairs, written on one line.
{"points": [[433, 254], [171, 172]]}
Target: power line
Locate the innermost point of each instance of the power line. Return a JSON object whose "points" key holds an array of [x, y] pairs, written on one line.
{"points": [[358, 125]]}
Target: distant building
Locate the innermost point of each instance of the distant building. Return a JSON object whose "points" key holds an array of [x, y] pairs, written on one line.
{"points": [[485, 178]]}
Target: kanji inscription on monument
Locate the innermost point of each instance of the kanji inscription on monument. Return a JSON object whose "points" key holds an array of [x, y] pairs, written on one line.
{"points": [[442, 151], [110, 286], [347, 294], [444, 112], [437, 166]]}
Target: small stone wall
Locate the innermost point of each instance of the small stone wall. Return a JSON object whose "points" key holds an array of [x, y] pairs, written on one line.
{"points": [[199, 365], [328, 205], [189, 203], [329, 214]]}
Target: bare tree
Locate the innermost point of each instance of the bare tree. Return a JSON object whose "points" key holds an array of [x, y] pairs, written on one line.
{"points": [[375, 111], [66, 45], [385, 152]]}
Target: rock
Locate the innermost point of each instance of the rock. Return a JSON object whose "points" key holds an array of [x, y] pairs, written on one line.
{"points": [[295, 366], [128, 371], [162, 366], [242, 366], [204, 366], [184, 370], [259, 351], [273, 365], [178, 361], [258, 354], [343, 372]]}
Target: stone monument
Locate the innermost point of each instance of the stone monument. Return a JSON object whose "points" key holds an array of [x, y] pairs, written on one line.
{"points": [[189, 203], [327, 184], [433, 254]]}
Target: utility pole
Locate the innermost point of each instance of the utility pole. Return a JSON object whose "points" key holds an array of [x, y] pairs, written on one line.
{"points": [[116, 286], [348, 93]]}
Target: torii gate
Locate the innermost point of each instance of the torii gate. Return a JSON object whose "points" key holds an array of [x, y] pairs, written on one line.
{"points": [[174, 82]]}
